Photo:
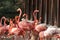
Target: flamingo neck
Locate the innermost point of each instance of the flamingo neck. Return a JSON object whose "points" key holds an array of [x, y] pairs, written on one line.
{"points": [[5, 23], [20, 15], [11, 23], [34, 16], [35, 19]]}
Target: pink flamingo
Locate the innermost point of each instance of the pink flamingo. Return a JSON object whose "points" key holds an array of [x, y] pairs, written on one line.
{"points": [[30, 26], [30, 23], [38, 27], [18, 25], [3, 28], [49, 32], [19, 9], [14, 30]]}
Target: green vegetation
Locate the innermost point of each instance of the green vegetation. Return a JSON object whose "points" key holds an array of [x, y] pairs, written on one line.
{"points": [[8, 7]]}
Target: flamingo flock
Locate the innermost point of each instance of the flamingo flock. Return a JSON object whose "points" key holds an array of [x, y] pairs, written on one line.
{"points": [[17, 27]]}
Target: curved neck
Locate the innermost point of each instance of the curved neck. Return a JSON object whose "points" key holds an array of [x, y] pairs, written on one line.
{"points": [[4, 20], [20, 15], [35, 18]]}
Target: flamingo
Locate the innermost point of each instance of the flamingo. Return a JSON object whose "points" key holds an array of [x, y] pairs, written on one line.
{"points": [[19, 9], [57, 35], [2, 28], [11, 27], [20, 31], [30, 23], [4, 20], [35, 22], [14, 30], [38, 27], [30, 26], [21, 23], [25, 22], [26, 27], [51, 30]]}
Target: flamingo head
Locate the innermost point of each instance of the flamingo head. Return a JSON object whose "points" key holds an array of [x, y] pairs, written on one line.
{"points": [[24, 14], [18, 9], [3, 17], [36, 10]]}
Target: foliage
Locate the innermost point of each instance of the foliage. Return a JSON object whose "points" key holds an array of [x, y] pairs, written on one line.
{"points": [[8, 7]]}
